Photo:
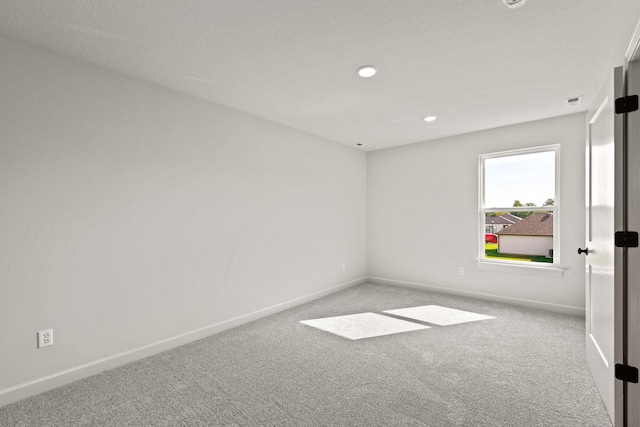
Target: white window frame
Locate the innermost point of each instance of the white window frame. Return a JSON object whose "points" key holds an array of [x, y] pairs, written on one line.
{"points": [[548, 269]]}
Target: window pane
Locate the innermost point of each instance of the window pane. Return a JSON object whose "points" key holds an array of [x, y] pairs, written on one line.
{"points": [[528, 178], [528, 239]]}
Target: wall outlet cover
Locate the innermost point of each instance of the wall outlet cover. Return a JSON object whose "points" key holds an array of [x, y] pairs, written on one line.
{"points": [[45, 338]]}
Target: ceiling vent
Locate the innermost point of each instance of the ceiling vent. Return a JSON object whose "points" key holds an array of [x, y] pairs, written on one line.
{"points": [[574, 101], [512, 4]]}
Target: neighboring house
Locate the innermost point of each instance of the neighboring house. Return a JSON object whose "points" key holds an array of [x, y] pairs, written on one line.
{"points": [[493, 224], [512, 218], [531, 236]]}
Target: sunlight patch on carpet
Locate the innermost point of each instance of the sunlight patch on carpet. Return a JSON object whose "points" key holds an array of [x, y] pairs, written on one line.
{"points": [[438, 315], [363, 325]]}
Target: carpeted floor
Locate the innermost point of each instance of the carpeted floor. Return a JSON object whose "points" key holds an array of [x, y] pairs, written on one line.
{"points": [[523, 367]]}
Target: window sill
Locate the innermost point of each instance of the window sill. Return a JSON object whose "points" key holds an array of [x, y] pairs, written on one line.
{"points": [[536, 270]]}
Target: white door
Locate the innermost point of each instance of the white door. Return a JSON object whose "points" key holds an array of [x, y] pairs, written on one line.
{"points": [[600, 230]]}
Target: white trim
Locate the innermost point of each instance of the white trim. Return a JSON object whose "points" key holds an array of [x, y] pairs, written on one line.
{"points": [[602, 356], [547, 306], [599, 111], [40, 385], [482, 209], [535, 269], [521, 209], [521, 151], [632, 87], [634, 47]]}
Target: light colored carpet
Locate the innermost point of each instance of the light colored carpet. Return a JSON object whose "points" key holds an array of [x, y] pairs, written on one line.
{"points": [[522, 368]]}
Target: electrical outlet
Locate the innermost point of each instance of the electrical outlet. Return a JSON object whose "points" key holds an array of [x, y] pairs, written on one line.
{"points": [[461, 271], [45, 338], [344, 267]]}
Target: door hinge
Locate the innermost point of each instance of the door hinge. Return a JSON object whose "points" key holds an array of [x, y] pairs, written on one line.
{"points": [[627, 373], [626, 104], [626, 239]]}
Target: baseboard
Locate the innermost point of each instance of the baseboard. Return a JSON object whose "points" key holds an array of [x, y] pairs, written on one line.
{"points": [[557, 308], [40, 385]]}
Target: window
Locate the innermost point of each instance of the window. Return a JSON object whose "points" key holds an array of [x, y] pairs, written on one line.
{"points": [[519, 206]]}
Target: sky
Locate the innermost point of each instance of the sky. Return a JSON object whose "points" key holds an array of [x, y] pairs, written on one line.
{"points": [[525, 177]]}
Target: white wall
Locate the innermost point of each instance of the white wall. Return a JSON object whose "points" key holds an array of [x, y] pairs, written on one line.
{"points": [[423, 213], [132, 214], [525, 245]]}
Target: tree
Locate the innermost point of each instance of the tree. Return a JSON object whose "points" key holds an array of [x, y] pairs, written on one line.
{"points": [[549, 202], [518, 203]]}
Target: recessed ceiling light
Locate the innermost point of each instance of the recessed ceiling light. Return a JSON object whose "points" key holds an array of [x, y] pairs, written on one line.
{"points": [[429, 118], [367, 71], [512, 4]]}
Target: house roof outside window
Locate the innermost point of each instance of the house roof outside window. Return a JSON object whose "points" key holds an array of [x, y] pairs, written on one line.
{"points": [[512, 218], [497, 220], [536, 224]]}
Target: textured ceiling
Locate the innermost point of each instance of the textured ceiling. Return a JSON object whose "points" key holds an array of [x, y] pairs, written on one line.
{"points": [[475, 64]]}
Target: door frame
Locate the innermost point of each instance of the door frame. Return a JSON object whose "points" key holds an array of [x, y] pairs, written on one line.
{"points": [[627, 272]]}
